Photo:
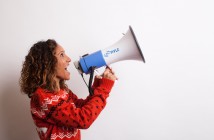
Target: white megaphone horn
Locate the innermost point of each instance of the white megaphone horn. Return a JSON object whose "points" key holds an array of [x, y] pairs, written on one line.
{"points": [[127, 48]]}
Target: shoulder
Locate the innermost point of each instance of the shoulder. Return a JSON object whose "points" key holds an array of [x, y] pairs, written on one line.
{"points": [[41, 93], [48, 96], [43, 98]]}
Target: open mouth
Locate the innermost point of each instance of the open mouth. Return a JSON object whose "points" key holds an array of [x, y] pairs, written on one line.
{"points": [[66, 68]]}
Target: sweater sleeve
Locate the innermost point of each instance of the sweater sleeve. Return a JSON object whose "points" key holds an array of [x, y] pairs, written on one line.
{"points": [[66, 113], [80, 102]]}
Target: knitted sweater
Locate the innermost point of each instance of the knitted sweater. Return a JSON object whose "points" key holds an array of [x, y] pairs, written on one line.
{"points": [[59, 116]]}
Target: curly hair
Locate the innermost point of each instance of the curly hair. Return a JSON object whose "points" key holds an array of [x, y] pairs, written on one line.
{"points": [[39, 68]]}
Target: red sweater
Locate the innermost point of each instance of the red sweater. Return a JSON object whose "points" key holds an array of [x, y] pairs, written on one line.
{"points": [[59, 116]]}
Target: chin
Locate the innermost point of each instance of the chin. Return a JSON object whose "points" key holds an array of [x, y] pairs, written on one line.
{"points": [[64, 78], [68, 77]]}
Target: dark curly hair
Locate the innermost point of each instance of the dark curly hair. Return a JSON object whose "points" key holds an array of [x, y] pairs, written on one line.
{"points": [[39, 68]]}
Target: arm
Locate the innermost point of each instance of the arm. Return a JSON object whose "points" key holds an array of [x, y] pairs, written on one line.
{"points": [[64, 112], [108, 74], [81, 102]]}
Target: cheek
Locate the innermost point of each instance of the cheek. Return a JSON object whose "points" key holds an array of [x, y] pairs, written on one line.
{"points": [[58, 69], [59, 65]]}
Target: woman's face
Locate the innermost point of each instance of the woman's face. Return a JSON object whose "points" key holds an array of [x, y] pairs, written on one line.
{"points": [[62, 64]]}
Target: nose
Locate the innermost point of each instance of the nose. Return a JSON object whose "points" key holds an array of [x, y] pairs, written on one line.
{"points": [[68, 59]]}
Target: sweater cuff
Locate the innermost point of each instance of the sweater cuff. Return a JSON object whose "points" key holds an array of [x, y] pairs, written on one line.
{"points": [[107, 83]]}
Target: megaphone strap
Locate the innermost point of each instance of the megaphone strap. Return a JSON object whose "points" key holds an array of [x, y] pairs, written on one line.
{"points": [[89, 85], [91, 80]]}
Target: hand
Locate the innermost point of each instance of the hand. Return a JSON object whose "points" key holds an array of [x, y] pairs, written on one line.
{"points": [[109, 74]]}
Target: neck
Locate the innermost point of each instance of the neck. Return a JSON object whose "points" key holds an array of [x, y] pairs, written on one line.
{"points": [[57, 84]]}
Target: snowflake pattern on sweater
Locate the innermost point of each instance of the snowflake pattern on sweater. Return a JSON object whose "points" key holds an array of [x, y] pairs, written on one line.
{"points": [[59, 116]]}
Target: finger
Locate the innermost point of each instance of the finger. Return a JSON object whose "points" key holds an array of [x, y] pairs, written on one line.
{"points": [[110, 68], [111, 76], [98, 76], [112, 71], [107, 71]]}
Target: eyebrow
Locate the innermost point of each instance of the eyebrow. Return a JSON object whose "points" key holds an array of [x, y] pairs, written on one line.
{"points": [[60, 52]]}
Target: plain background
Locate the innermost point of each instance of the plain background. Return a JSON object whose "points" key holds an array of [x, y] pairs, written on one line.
{"points": [[170, 97]]}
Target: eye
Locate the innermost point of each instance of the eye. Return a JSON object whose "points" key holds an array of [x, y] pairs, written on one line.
{"points": [[62, 54]]}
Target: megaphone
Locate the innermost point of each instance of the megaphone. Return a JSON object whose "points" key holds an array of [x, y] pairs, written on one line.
{"points": [[127, 48]]}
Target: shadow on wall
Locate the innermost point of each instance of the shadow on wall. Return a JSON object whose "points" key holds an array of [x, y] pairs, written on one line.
{"points": [[17, 123]]}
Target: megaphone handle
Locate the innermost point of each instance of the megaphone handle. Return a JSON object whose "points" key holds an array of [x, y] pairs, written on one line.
{"points": [[90, 80]]}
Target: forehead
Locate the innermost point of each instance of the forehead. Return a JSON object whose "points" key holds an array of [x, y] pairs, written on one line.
{"points": [[59, 48]]}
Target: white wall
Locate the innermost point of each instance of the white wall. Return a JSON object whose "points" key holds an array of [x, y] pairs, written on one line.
{"points": [[171, 97]]}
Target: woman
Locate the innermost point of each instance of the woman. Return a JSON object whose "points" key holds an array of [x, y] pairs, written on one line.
{"points": [[57, 112]]}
